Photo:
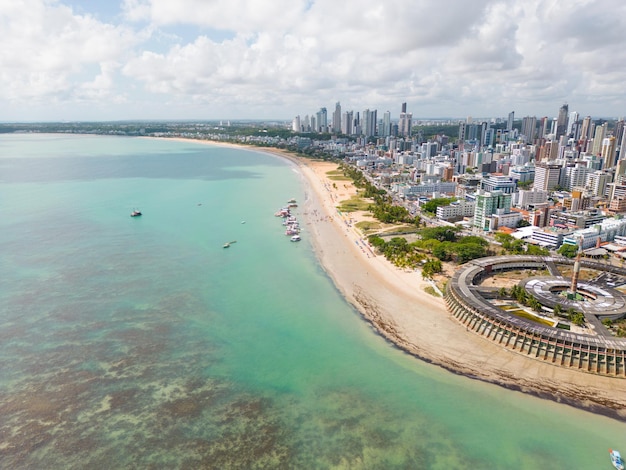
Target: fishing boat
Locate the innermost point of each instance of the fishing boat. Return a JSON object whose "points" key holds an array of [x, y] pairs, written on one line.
{"points": [[616, 459], [296, 238], [135, 213]]}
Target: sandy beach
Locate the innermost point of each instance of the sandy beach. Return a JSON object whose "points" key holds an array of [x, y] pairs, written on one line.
{"points": [[396, 304]]}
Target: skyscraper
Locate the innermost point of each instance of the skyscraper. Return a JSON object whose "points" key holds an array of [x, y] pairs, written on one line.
{"points": [[561, 120], [347, 127], [295, 124], [322, 120], [573, 118], [608, 152], [386, 130], [529, 128], [337, 118], [584, 130], [622, 148], [368, 123], [544, 122], [547, 176], [598, 138], [509, 122], [405, 123]]}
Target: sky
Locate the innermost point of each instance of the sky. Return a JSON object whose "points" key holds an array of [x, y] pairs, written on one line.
{"points": [[102, 60]]}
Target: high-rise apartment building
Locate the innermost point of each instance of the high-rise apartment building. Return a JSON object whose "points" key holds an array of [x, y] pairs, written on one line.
{"points": [[462, 129], [347, 125], [544, 124], [585, 129], [597, 182], [549, 151], [488, 204], [386, 126], [405, 122], [337, 118], [598, 138], [622, 148], [509, 121], [575, 176], [571, 122], [618, 133], [547, 176], [295, 124], [607, 152], [322, 120], [368, 123], [561, 121], [529, 128]]}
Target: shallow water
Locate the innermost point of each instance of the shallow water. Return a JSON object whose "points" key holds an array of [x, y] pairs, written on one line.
{"points": [[141, 342]]}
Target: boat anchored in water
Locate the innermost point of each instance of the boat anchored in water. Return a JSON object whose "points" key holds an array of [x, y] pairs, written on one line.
{"points": [[227, 244], [296, 238], [135, 213], [616, 459]]}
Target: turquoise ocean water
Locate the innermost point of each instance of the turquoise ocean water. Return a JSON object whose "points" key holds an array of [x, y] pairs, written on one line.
{"points": [[142, 343]]}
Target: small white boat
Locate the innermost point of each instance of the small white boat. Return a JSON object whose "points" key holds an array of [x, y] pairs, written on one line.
{"points": [[135, 213], [616, 459], [296, 238]]}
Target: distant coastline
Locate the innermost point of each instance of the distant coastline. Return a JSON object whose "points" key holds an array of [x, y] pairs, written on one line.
{"points": [[395, 303]]}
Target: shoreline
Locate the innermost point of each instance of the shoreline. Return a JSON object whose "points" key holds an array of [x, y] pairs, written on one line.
{"points": [[394, 302]]}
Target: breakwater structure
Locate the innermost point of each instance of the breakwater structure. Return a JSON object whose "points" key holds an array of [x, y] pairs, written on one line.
{"points": [[592, 349]]}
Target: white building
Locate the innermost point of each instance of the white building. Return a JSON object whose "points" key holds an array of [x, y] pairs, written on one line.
{"points": [[456, 210], [530, 198], [547, 176]]}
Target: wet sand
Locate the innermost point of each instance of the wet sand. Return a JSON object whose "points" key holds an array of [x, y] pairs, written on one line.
{"points": [[396, 304]]}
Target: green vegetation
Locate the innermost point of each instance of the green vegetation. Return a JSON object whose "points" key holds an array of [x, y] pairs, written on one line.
{"points": [[445, 244], [337, 175], [577, 318], [431, 267], [355, 203], [523, 314], [569, 251], [442, 243], [431, 206], [524, 184], [431, 290], [514, 246], [398, 251], [367, 226]]}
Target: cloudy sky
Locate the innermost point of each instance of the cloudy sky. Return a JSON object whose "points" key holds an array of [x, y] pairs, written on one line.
{"points": [[274, 59]]}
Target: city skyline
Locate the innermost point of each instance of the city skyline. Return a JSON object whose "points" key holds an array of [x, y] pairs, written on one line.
{"points": [[153, 59]]}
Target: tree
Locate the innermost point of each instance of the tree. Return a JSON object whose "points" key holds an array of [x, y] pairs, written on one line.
{"points": [[577, 318], [569, 251], [558, 309], [468, 251], [431, 206], [443, 234], [523, 223], [431, 267], [536, 250], [442, 252], [533, 303], [502, 292]]}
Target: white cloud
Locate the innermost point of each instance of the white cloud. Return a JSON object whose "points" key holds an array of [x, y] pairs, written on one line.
{"points": [[47, 50], [284, 57]]}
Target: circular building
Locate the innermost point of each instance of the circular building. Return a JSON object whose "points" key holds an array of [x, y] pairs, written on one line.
{"points": [[593, 349]]}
